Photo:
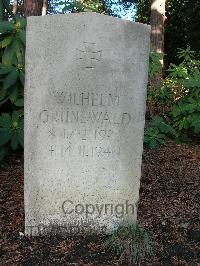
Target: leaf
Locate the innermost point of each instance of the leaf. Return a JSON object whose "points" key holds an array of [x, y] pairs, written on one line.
{"points": [[5, 135], [15, 116], [3, 94], [153, 144], [19, 102], [6, 41], [22, 36], [161, 138], [8, 54], [5, 120], [10, 79], [5, 69], [156, 121], [18, 51], [182, 123], [177, 110], [6, 26], [13, 93]]}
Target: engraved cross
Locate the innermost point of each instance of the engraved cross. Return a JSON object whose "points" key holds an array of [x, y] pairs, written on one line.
{"points": [[88, 56]]}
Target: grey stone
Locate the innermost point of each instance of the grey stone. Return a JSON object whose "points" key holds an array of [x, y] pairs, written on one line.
{"points": [[85, 93]]}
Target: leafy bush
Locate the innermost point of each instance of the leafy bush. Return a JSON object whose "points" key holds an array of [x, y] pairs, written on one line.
{"points": [[186, 115], [178, 100], [186, 110], [12, 43], [132, 243]]}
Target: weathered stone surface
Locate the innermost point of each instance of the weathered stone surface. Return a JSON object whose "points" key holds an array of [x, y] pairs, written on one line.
{"points": [[86, 77]]}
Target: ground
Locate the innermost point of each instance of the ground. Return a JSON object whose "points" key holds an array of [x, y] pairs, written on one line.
{"points": [[168, 209]]}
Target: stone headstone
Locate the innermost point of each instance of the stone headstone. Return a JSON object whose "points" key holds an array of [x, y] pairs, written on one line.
{"points": [[85, 92]]}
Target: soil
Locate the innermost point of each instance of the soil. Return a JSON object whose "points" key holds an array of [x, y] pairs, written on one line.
{"points": [[168, 210]]}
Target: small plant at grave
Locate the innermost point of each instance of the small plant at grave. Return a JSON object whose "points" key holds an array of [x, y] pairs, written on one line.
{"points": [[132, 243], [157, 132]]}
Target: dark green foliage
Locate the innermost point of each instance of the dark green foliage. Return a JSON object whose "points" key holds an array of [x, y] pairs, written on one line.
{"points": [[178, 98], [11, 132], [186, 115], [186, 77], [155, 65], [161, 96], [132, 243], [157, 132], [12, 43]]}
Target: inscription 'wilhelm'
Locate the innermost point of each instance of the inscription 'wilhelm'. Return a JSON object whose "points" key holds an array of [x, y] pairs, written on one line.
{"points": [[85, 98]]}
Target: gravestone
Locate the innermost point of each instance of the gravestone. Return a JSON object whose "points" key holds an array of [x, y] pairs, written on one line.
{"points": [[85, 92]]}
